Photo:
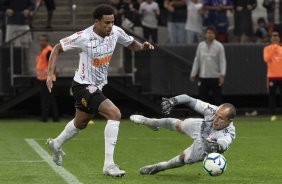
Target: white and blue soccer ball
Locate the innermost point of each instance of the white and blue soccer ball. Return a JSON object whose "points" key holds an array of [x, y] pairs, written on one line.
{"points": [[214, 164]]}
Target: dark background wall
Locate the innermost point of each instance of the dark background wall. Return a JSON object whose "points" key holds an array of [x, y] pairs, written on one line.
{"points": [[245, 83]]}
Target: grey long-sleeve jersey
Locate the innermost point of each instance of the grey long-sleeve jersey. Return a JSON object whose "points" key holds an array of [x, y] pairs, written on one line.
{"points": [[210, 61], [224, 137]]}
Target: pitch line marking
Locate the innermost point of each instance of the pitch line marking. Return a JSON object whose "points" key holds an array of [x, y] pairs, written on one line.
{"points": [[67, 176], [23, 161]]}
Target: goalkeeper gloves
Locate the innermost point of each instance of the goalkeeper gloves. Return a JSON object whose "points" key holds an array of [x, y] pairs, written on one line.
{"points": [[168, 104], [212, 146]]}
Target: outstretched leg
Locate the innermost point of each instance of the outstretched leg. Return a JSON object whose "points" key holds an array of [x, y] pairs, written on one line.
{"points": [[161, 166], [168, 123]]}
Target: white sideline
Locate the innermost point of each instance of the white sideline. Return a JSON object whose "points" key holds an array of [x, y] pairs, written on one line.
{"points": [[67, 176]]}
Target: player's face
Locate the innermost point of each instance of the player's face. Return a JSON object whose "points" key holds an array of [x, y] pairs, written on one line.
{"points": [[275, 38], [104, 26], [43, 41], [221, 119], [210, 35]]}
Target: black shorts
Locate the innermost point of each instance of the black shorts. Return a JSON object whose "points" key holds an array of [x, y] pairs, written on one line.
{"points": [[87, 97], [50, 4]]}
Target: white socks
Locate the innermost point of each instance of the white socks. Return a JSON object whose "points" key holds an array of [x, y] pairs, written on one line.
{"points": [[69, 132], [111, 133]]}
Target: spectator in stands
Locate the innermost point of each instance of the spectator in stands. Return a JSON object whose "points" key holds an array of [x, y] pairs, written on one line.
{"points": [[2, 23], [96, 45], [162, 19], [243, 23], [261, 32], [149, 12], [18, 20], [216, 15], [176, 18], [274, 15], [210, 63], [50, 6], [194, 23], [128, 13], [272, 55], [48, 101]]}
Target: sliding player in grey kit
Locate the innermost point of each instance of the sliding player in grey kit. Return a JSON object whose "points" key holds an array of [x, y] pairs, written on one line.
{"points": [[212, 133]]}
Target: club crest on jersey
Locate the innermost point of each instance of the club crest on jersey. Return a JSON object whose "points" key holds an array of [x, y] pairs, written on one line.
{"points": [[110, 42], [91, 88]]}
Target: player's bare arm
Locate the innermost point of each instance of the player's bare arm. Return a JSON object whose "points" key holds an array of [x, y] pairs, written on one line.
{"points": [[52, 65], [137, 46]]}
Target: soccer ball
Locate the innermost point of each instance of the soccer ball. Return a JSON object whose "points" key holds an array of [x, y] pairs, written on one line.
{"points": [[214, 164]]}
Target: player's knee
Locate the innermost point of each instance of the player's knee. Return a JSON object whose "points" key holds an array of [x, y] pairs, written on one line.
{"points": [[181, 157], [189, 160], [179, 127], [114, 114], [81, 125]]}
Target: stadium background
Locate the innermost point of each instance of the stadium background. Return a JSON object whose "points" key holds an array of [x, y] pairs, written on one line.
{"points": [[137, 81]]}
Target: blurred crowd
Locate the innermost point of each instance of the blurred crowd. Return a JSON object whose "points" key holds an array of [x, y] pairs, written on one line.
{"points": [[186, 20], [16, 17]]}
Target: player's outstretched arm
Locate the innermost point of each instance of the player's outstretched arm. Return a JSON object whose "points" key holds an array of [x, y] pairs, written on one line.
{"points": [[137, 46], [52, 65]]}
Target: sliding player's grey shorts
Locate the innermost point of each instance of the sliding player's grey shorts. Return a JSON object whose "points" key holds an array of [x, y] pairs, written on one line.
{"points": [[196, 152]]}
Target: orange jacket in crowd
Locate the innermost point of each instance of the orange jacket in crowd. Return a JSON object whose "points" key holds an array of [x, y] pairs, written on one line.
{"points": [[272, 55], [42, 63]]}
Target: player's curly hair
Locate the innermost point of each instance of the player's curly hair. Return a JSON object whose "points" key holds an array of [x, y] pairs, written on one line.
{"points": [[101, 10]]}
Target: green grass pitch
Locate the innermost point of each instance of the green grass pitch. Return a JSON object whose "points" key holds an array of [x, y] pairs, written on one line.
{"points": [[253, 158]]}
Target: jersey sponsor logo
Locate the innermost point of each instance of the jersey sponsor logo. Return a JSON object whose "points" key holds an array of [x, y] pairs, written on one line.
{"points": [[101, 61], [91, 89], [211, 109], [72, 41]]}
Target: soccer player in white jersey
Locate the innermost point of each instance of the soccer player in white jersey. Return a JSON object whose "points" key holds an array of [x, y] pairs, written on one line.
{"points": [[213, 133], [95, 46]]}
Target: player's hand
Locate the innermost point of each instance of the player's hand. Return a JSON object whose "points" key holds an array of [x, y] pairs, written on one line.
{"points": [[212, 146], [49, 82], [147, 46], [168, 104]]}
